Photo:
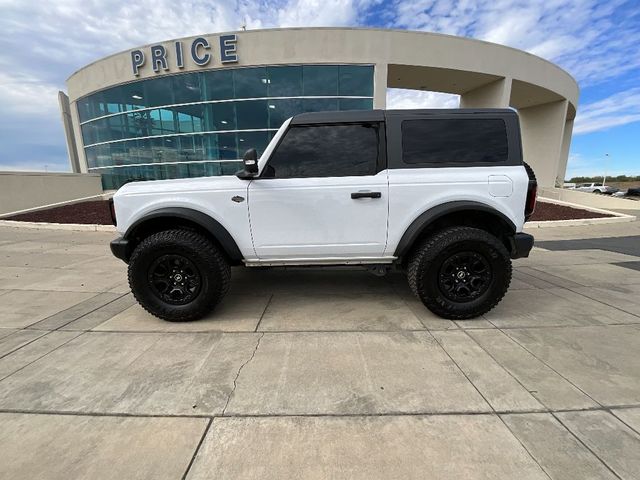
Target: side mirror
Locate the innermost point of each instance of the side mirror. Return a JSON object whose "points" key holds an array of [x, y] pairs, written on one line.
{"points": [[250, 160]]}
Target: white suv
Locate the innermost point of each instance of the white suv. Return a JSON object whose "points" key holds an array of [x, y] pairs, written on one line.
{"points": [[595, 188], [441, 194]]}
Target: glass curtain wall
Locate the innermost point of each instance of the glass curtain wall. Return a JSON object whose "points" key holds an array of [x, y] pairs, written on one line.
{"points": [[200, 123]]}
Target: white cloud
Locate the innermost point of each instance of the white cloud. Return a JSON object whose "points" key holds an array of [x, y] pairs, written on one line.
{"points": [[586, 37], [402, 99], [618, 109]]}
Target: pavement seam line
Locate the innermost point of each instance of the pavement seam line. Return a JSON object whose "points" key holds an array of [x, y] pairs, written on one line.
{"points": [[195, 452], [406, 304], [585, 445], [551, 368], [263, 313], [633, 429], [24, 345], [513, 434], [29, 327], [506, 370], [493, 410], [42, 356], [235, 380], [310, 415]]}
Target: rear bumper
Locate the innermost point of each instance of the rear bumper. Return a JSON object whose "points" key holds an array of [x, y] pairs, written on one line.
{"points": [[521, 245], [120, 249]]}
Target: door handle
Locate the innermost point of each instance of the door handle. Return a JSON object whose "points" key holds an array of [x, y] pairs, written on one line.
{"points": [[356, 195]]}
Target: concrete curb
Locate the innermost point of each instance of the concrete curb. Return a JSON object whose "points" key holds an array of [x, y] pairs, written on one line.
{"points": [[74, 227]]}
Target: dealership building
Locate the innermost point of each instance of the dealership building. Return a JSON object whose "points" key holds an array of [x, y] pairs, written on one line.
{"points": [[190, 107]]}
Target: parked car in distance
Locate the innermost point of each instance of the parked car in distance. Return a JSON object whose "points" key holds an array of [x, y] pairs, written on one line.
{"points": [[633, 192], [596, 188]]}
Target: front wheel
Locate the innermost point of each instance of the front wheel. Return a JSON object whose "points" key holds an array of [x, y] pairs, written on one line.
{"points": [[460, 272], [178, 275]]}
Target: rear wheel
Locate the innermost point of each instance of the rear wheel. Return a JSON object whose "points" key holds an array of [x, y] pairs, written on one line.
{"points": [[178, 275], [460, 272]]}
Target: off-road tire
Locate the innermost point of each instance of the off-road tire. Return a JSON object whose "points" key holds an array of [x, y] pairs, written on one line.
{"points": [[426, 261], [213, 269]]}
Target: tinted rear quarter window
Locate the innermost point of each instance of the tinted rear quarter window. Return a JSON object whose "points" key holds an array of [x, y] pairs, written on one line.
{"points": [[326, 151], [454, 142]]}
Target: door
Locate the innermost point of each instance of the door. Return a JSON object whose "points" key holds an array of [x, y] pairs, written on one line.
{"points": [[323, 194]]}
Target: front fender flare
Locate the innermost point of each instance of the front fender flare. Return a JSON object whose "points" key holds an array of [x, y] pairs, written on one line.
{"points": [[211, 225]]}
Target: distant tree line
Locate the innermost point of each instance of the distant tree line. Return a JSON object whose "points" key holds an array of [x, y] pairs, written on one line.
{"points": [[619, 178]]}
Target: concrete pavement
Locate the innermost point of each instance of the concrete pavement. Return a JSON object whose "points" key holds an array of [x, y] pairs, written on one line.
{"points": [[309, 373]]}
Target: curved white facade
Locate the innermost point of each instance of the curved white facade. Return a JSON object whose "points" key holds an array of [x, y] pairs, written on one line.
{"points": [[483, 74]]}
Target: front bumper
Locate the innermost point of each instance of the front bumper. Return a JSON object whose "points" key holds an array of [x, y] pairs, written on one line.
{"points": [[521, 245], [120, 249]]}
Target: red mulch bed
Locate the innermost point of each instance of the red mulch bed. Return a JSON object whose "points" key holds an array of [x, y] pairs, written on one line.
{"points": [[97, 212], [550, 211], [94, 212]]}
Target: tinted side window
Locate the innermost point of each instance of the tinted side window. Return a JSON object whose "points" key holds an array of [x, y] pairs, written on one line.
{"points": [[326, 151], [449, 142]]}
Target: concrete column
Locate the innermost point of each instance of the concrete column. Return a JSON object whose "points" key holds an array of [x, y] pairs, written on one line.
{"points": [[543, 128], [63, 101], [380, 85], [564, 151], [492, 95]]}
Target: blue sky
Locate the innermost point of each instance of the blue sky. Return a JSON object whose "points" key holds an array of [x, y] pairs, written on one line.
{"points": [[42, 43]]}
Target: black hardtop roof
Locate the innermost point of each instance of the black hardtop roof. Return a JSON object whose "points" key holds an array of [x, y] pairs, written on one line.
{"points": [[347, 116]]}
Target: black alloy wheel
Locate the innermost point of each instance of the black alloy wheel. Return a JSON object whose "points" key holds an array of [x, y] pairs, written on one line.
{"points": [[174, 279], [465, 276]]}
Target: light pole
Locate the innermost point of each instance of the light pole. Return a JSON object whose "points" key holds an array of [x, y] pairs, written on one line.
{"points": [[606, 161]]}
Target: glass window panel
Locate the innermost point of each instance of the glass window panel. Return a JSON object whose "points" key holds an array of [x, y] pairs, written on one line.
{"points": [[326, 151], [230, 168], [227, 146], [212, 169], [257, 140], [355, 103], [145, 152], [101, 129], [285, 81], [252, 114], [250, 82], [219, 85], [168, 121], [118, 153], [187, 88], [91, 154], [454, 141], [103, 156], [115, 125], [319, 104], [356, 80], [132, 95], [211, 148], [190, 118], [158, 91], [89, 134], [222, 116], [85, 109], [141, 124], [280, 110], [320, 80]]}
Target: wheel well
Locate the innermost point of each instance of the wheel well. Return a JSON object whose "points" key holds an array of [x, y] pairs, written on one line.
{"points": [[145, 228], [480, 219]]}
